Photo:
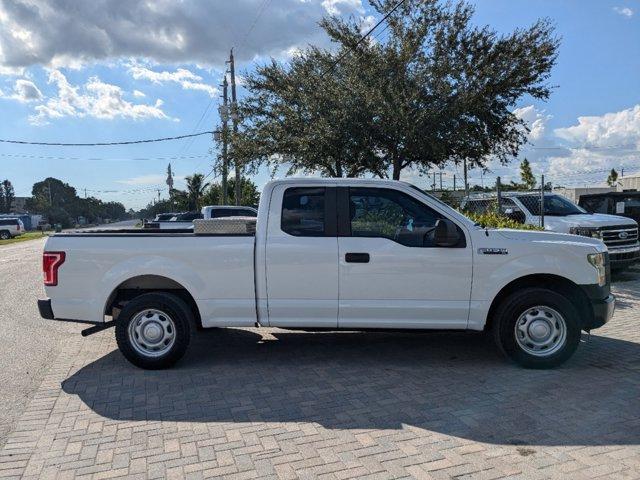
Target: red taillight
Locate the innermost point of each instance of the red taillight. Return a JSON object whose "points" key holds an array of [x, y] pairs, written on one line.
{"points": [[51, 261], [18, 227]]}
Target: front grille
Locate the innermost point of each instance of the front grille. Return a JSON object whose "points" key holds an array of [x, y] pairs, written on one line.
{"points": [[619, 235]]}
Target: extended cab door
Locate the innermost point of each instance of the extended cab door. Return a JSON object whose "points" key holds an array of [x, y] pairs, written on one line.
{"points": [[391, 273], [302, 257]]}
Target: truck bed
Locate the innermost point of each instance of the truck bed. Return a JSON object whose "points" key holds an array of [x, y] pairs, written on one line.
{"points": [[216, 269], [139, 232]]}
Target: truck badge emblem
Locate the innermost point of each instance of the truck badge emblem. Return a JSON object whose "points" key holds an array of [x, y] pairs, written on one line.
{"points": [[493, 251]]}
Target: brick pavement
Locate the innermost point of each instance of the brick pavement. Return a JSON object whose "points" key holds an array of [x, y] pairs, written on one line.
{"points": [[267, 403]]}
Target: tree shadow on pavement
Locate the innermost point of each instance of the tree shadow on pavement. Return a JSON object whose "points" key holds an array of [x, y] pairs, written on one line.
{"points": [[454, 384]]}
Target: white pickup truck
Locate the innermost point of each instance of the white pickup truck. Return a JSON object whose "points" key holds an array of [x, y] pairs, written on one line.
{"points": [[333, 254]]}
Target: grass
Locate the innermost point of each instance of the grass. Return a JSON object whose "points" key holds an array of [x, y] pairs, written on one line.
{"points": [[25, 237]]}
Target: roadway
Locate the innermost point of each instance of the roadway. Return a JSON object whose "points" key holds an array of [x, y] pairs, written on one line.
{"points": [[29, 344]]}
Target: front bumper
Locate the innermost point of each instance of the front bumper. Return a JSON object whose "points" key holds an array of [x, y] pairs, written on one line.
{"points": [[620, 257], [602, 305]]}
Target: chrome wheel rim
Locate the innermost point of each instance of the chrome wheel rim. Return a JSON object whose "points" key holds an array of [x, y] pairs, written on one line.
{"points": [[541, 331], [152, 333]]}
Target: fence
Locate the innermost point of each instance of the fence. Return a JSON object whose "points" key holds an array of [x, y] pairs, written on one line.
{"points": [[519, 206]]}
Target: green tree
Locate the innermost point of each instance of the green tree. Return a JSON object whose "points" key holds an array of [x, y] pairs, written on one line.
{"points": [[612, 179], [59, 202], [7, 196], [526, 175], [438, 89], [195, 190], [249, 193]]}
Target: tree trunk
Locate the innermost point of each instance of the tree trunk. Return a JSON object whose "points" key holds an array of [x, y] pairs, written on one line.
{"points": [[396, 168]]}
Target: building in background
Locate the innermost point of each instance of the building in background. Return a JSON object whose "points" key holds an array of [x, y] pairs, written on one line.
{"points": [[629, 182], [19, 205], [573, 193]]}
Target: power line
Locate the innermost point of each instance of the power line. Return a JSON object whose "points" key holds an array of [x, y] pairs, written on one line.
{"points": [[585, 147], [134, 159], [103, 144], [364, 37], [261, 10]]}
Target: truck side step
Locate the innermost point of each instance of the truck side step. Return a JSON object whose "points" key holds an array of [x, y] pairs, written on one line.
{"points": [[97, 328]]}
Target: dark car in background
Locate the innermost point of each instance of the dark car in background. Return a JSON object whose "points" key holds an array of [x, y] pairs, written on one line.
{"points": [[625, 204]]}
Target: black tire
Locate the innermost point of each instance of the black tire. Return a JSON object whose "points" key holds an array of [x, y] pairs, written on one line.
{"points": [[5, 235], [173, 308], [521, 301]]}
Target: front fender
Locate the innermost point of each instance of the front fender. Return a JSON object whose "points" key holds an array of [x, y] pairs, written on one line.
{"points": [[494, 272]]}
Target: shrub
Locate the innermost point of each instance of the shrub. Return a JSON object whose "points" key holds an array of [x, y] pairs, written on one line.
{"points": [[494, 220]]}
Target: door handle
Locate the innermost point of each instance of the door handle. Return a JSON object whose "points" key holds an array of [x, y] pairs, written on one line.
{"points": [[356, 257]]}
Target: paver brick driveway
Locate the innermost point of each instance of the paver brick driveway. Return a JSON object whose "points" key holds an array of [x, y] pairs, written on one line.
{"points": [[259, 403]]}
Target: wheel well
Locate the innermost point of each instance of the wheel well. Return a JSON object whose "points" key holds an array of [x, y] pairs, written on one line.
{"points": [[552, 282], [136, 286]]}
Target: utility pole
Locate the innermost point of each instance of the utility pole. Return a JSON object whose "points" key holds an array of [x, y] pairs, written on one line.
{"points": [[50, 196], [440, 180], [466, 179], [542, 201], [159, 195], [85, 193], [234, 120], [225, 134]]}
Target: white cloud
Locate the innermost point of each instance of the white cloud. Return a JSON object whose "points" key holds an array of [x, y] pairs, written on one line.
{"points": [[138, 93], [624, 11], [340, 7], [576, 154], [535, 119], [616, 129], [24, 91], [94, 99], [185, 78], [54, 33], [595, 145]]}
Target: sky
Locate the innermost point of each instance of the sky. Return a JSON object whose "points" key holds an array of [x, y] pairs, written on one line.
{"points": [[117, 70]]}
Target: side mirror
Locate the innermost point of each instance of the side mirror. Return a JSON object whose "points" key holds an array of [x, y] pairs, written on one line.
{"points": [[508, 211], [446, 234]]}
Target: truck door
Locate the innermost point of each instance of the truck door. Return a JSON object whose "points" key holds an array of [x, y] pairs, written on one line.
{"points": [[302, 257], [391, 275]]}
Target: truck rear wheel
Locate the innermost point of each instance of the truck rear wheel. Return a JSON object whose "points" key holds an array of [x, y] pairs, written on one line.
{"points": [[537, 328], [153, 330], [5, 235]]}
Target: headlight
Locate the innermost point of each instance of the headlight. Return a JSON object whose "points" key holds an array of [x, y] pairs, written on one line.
{"points": [[585, 231], [598, 261]]}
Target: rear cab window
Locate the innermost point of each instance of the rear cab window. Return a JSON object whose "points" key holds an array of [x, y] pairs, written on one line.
{"points": [[304, 212]]}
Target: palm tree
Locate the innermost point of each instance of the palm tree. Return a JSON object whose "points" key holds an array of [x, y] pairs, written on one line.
{"points": [[195, 189]]}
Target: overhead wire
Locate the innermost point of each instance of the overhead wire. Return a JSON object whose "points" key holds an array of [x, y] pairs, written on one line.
{"points": [[104, 144]]}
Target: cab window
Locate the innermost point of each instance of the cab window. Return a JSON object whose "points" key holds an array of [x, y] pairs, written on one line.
{"points": [[386, 213], [303, 212]]}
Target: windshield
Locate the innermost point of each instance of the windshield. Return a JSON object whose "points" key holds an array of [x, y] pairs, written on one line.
{"points": [[554, 205]]}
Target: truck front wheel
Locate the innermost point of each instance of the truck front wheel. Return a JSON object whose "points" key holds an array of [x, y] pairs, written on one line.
{"points": [[537, 328], [153, 330]]}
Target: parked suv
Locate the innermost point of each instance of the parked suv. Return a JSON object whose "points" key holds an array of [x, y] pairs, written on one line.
{"points": [[619, 234], [10, 227]]}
